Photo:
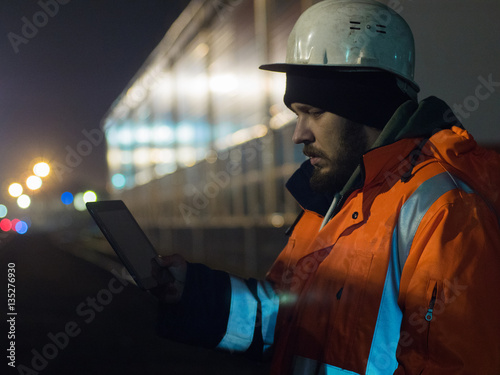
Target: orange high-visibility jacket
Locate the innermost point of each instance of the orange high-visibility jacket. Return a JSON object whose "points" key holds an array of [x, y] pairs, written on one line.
{"points": [[403, 278]]}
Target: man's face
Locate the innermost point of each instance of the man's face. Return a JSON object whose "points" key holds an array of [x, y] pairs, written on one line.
{"points": [[334, 145]]}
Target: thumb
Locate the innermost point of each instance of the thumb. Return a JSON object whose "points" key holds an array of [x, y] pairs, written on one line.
{"points": [[176, 265], [174, 260]]}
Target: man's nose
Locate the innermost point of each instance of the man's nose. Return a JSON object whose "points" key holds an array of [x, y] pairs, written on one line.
{"points": [[302, 132]]}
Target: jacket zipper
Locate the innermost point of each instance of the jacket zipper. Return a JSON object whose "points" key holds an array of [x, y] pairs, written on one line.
{"points": [[429, 316], [430, 310]]}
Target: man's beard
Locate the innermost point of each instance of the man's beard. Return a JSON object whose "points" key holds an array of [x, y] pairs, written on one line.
{"points": [[351, 149]]}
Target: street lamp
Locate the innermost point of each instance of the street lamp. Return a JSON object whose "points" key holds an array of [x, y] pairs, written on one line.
{"points": [[24, 201], [34, 182], [3, 211], [41, 169], [15, 189], [89, 196]]}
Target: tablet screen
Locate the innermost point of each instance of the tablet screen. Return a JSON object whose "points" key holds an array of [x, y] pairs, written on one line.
{"points": [[127, 239]]}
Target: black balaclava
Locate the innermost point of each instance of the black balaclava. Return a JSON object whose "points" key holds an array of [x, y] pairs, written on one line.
{"points": [[368, 98]]}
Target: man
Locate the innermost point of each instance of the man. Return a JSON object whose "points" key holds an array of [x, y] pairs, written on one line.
{"points": [[393, 267]]}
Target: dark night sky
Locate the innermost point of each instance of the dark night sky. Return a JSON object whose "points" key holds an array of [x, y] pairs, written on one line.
{"points": [[65, 78]]}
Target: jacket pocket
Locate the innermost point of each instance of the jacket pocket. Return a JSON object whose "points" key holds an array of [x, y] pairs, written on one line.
{"points": [[431, 298], [432, 293]]}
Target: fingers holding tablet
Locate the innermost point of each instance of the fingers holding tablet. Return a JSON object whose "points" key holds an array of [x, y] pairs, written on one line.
{"points": [[170, 274]]}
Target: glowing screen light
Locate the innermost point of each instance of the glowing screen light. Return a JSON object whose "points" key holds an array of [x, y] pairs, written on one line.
{"points": [[118, 180], [5, 225], [3, 211], [21, 227], [34, 182], [67, 198], [15, 190], [23, 201], [41, 169]]}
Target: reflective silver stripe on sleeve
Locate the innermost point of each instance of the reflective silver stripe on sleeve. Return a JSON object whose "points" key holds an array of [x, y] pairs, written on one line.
{"points": [[242, 317], [382, 358], [269, 302], [417, 205]]}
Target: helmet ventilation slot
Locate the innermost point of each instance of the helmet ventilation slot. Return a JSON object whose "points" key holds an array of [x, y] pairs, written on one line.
{"points": [[383, 27], [355, 25]]}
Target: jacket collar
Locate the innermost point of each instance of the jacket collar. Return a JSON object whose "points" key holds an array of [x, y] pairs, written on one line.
{"points": [[410, 123], [298, 185], [375, 163]]}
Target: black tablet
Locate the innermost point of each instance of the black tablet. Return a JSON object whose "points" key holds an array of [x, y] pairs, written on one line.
{"points": [[126, 238]]}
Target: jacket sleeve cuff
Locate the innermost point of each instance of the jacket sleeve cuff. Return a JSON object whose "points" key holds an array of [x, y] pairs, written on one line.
{"points": [[201, 316]]}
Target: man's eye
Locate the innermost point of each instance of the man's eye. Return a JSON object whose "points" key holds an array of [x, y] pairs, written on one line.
{"points": [[316, 113]]}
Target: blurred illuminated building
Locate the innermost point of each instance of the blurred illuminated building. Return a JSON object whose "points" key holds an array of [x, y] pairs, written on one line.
{"points": [[199, 143]]}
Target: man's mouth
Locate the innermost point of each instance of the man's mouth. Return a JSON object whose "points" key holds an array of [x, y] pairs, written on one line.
{"points": [[314, 157]]}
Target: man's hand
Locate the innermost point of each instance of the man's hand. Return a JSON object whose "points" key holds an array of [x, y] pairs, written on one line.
{"points": [[170, 274]]}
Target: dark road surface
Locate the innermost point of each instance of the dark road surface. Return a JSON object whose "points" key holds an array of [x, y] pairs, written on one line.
{"points": [[76, 318]]}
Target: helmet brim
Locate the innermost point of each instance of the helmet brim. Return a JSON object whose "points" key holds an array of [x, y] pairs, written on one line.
{"points": [[286, 67], [280, 68]]}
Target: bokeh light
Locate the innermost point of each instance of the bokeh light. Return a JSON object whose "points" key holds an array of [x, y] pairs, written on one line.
{"points": [[24, 201], [5, 225], [21, 227], [67, 198], [89, 196], [118, 180], [13, 223], [79, 203], [277, 220], [3, 211], [15, 189], [34, 182], [41, 169]]}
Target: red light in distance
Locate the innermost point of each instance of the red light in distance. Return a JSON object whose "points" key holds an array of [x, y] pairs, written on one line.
{"points": [[13, 224], [5, 225]]}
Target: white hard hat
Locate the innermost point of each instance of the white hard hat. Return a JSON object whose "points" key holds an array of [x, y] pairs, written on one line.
{"points": [[353, 35]]}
